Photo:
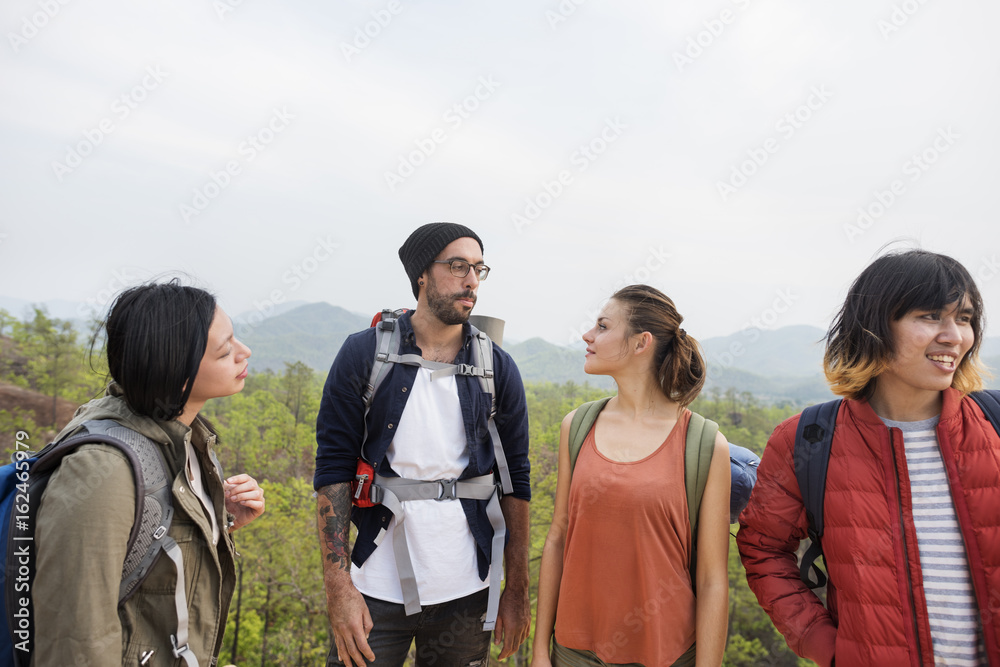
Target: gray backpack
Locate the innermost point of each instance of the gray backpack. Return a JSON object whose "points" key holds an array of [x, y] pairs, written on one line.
{"points": [[147, 539]]}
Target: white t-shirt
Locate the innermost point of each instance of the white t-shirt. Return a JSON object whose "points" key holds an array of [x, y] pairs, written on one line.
{"points": [[198, 485], [952, 612], [429, 445]]}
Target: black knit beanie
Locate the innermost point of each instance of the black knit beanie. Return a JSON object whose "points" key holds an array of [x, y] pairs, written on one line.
{"points": [[425, 243]]}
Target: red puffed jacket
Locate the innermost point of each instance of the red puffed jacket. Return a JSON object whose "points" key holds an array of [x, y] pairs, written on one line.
{"points": [[877, 611]]}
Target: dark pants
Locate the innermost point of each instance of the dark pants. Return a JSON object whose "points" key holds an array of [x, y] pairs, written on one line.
{"points": [[571, 657], [449, 634]]}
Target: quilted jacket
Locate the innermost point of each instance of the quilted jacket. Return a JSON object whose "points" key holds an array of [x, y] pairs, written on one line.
{"points": [[877, 613]]}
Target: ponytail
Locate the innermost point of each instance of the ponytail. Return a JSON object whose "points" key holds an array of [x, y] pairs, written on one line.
{"points": [[678, 362]]}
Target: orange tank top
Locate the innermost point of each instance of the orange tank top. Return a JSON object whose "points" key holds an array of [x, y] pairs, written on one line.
{"points": [[626, 588]]}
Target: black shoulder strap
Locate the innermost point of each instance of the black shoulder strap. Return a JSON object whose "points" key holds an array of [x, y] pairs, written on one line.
{"points": [[813, 439], [989, 401]]}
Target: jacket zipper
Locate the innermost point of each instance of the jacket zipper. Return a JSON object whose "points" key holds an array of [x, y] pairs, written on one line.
{"points": [[906, 552]]}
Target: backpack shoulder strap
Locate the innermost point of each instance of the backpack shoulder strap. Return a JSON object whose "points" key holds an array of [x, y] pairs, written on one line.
{"points": [[989, 401], [482, 357], [482, 367], [386, 344], [699, 444], [582, 422], [813, 439]]}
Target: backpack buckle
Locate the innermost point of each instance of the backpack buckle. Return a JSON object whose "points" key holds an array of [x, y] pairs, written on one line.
{"points": [[447, 489], [179, 651]]}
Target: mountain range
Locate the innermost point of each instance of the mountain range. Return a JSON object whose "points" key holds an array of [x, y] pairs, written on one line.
{"points": [[779, 365], [774, 365]]}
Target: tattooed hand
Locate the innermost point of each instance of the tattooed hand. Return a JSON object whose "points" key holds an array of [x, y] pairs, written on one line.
{"points": [[349, 617]]}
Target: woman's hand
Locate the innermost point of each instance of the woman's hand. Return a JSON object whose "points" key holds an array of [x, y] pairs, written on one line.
{"points": [[244, 499]]}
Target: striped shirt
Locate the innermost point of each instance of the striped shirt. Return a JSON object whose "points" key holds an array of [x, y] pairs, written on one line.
{"points": [[951, 601]]}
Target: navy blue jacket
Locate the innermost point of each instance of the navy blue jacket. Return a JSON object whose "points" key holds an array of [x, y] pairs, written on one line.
{"points": [[339, 428]]}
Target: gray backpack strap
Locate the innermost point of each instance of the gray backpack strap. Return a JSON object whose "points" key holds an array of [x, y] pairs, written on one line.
{"points": [[149, 536], [391, 492], [386, 347], [179, 641], [387, 352], [482, 357]]}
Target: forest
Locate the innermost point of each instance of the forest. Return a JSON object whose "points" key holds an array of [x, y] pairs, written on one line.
{"points": [[278, 614]]}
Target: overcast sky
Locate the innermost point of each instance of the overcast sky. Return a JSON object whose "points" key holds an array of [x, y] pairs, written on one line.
{"points": [[720, 151]]}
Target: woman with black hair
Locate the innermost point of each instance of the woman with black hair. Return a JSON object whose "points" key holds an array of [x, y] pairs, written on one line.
{"points": [[912, 525], [615, 586], [170, 348]]}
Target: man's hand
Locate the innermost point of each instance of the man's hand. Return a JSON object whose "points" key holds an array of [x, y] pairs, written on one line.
{"points": [[349, 616], [351, 623], [514, 615], [513, 620]]}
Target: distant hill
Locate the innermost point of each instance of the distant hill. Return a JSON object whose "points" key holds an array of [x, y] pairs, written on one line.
{"points": [[783, 364], [780, 365], [312, 334], [789, 351], [255, 317], [541, 361]]}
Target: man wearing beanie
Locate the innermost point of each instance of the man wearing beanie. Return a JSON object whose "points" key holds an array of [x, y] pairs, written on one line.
{"points": [[425, 564]]}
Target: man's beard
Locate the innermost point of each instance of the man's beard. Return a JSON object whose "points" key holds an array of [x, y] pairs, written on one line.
{"points": [[443, 307]]}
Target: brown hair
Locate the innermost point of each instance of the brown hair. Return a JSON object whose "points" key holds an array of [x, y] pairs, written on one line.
{"points": [[677, 362], [859, 344]]}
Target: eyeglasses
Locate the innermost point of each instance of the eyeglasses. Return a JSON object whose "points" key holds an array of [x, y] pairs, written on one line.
{"points": [[460, 268]]}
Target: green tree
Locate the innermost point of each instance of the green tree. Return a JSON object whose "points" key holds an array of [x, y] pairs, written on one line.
{"points": [[55, 360]]}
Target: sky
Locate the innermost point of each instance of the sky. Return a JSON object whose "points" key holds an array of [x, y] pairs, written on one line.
{"points": [[747, 157]]}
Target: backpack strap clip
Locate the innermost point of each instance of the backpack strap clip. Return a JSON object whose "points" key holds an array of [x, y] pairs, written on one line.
{"points": [[447, 489]]}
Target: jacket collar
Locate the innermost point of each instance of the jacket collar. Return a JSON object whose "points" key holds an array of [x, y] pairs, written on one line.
{"points": [[114, 406], [951, 400]]}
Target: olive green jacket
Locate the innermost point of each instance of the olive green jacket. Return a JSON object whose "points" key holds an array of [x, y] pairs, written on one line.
{"points": [[82, 530]]}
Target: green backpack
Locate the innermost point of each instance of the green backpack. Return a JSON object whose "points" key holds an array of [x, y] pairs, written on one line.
{"points": [[698, 448]]}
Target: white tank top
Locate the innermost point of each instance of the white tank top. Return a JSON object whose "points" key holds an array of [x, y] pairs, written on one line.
{"points": [[429, 444]]}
